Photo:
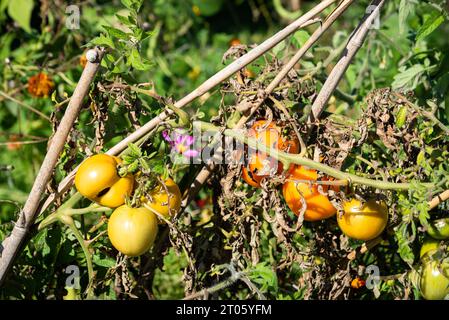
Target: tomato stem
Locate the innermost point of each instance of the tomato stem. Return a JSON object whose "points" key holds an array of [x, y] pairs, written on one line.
{"points": [[85, 247], [292, 158]]}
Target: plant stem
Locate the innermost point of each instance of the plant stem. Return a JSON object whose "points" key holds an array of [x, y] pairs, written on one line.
{"points": [[85, 247], [287, 159], [67, 210]]}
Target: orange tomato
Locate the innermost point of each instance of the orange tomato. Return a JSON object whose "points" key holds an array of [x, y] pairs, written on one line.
{"points": [[357, 283], [260, 165], [318, 205]]}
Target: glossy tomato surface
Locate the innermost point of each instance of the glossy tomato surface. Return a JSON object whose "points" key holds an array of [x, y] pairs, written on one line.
{"points": [[97, 179], [132, 231], [434, 281], [363, 221]]}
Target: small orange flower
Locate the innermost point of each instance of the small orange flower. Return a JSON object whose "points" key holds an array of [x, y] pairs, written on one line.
{"points": [[358, 283], [13, 142], [40, 85], [83, 60], [234, 42]]}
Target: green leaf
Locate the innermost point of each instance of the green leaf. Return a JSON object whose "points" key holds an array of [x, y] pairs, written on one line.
{"points": [[20, 11], [124, 20], [133, 5], [134, 150], [408, 79], [116, 33], [106, 262], [127, 3], [137, 62], [401, 117], [430, 25], [132, 168], [405, 251], [102, 40], [265, 277], [300, 37], [406, 8]]}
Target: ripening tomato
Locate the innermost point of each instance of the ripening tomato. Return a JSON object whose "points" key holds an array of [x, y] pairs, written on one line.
{"points": [[165, 200], [97, 179], [429, 245], [358, 283], [434, 280], [318, 205], [260, 165], [132, 231], [363, 221]]}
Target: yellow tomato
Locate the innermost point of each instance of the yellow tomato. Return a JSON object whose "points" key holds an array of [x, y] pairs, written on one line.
{"points": [[363, 222], [97, 179], [165, 200], [132, 231], [318, 205]]}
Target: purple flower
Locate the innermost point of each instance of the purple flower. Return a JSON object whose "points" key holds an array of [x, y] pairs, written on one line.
{"points": [[181, 143]]}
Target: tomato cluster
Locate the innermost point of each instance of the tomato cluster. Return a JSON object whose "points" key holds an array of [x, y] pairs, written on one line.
{"points": [[132, 231], [359, 221]]}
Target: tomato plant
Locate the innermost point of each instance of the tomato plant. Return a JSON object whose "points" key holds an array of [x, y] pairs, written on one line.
{"points": [[212, 154]]}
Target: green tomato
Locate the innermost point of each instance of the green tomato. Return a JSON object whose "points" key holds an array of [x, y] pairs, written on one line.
{"points": [[434, 280], [429, 245], [439, 229]]}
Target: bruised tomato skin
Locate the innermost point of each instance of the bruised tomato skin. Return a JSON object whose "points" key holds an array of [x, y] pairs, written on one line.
{"points": [[318, 205], [260, 165], [132, 231], [363, 221], [97, 179]]}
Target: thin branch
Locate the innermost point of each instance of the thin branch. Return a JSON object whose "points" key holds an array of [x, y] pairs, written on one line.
{"points": [[438, 199], [27, 216], [30, 108], [353, 46]]}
